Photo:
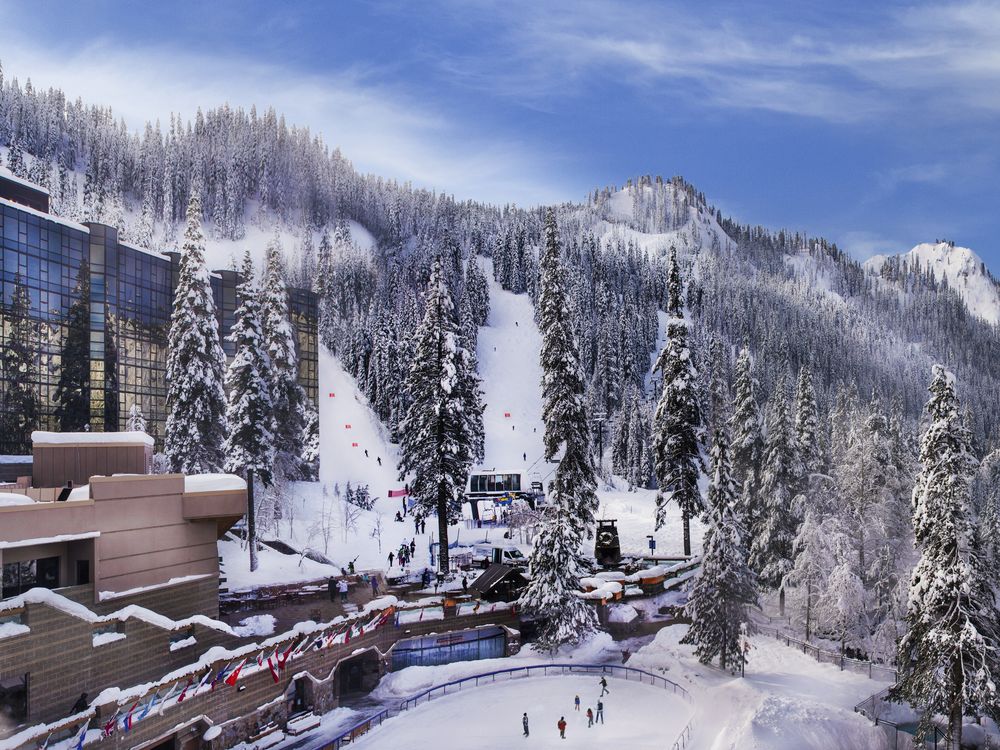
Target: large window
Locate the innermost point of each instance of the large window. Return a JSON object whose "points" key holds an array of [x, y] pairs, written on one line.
{"points": [[18, 577]]}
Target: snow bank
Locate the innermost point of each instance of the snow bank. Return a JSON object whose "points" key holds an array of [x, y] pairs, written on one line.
{"points": [[9, 499], [101, 639], [40, 437], [213, 483], [109, 595], [622, 613], [255, 625], [780, 723], [10, 629]]}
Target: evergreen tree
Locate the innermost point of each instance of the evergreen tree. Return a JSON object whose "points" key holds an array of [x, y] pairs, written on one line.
{"points": [[772, 549], [477, 289], [813, 555], [469, 385], [554, 566], [677, 422], [310, 440], [725, 586], [249, 445], [747, 442], [807, 424], [136, 421], [436, 447], [20, 403], [196, 401], [287, 396], [72, 395], [948, 657]]}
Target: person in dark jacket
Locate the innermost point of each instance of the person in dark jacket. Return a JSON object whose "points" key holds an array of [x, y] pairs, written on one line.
{"points": [[331, 587], [604, 687], [81, 704], [562, 726], [524, 723], [600, 712]]}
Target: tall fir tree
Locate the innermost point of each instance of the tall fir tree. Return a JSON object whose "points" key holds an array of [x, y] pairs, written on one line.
{"points": [[249, 445], [72, 395], [287, 396], [747, 442], [554, 566], [436, 446], [677, 422], [772, 550], [948, 657], [807, 424], [196, 401], [20, 402], [725, 586]]}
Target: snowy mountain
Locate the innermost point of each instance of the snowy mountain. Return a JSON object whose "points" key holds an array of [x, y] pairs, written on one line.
{"points": [[959, 267]]}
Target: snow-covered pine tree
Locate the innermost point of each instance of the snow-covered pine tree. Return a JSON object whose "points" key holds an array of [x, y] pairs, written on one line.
{"points": [[477, 289], [136, 421], [843, 605], [812, 551], [771, 553], [436, 447], [196, 401], [323, 286], [249, 445], [470, 387], [747, 442], [554, 566], [948, 657], [20, 403], [807, 424], [725, 586], [287, 395], [310, 440], [677, 422]]}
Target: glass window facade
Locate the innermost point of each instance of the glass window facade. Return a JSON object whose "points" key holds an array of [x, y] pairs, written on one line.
{"points": [[109, 303], [495, 483], [465, 645]]}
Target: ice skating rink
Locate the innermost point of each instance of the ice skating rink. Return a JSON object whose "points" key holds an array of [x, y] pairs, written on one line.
{"points": [[636, 716]]}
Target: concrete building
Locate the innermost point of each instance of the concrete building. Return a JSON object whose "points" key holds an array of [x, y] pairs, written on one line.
{"points": [[107, 302]]}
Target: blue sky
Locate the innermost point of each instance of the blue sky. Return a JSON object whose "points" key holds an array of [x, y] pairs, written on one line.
{"points": [[876, 128]]}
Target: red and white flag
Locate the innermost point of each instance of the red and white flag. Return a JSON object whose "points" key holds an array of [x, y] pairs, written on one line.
{"points": [[235, 674]]}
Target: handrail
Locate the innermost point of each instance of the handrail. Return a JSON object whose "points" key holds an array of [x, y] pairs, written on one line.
{"points": [[412, 701], [816, 652]]}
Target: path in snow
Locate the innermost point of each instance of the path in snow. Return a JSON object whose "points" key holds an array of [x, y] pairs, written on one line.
{"points": [[636, 716]]}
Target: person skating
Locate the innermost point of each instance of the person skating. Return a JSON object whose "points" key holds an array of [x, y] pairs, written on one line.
{"points": [[600, 712], [524, 723], [562, 726], [590, 717], [604, 687]]}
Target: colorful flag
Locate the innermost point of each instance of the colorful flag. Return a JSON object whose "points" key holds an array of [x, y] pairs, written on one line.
{"points": [[127, 721], [184, 692], [284, 656], [149, 706], [273, 668], [204, 680], [109, 727], [43, 745], [167, 697], [221, 675], [235, 674], [81, 735]]}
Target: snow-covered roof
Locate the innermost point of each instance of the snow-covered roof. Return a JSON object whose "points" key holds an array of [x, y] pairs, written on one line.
{"points": [[213, 483], [50, 539], [40, 437], [145, 251], [8, 175], [11, 498]]}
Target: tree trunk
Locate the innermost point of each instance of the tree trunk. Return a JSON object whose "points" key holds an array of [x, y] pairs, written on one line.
{"points": [[251, 523], [781, 602], [687, 535], [809, 595], [442, 514]]}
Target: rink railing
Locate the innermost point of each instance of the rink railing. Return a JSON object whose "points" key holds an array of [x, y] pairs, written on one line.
{"points": [[826, 656], [488, 678]]}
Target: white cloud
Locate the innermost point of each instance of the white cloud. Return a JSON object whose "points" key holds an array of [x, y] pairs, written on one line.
{"points": [[381, 129]]}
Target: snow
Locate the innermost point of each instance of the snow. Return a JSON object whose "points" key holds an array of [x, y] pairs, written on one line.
{"points": [[255, 625], [964, 270], [42, 215], [360, 235], [108, 595], [622, 613], [11, 499], [213, 483], [8, 175], [490, 716], [40, 437], [212, 733], [10, 629], [101, 639], [50, 539], [16, 459], [183, 643], [80, 493]]}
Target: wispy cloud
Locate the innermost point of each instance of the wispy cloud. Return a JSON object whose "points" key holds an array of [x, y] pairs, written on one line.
{"points": [[379, 127], [922, 61]]}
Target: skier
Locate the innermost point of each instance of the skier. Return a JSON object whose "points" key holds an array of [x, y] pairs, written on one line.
{"points": [[524, 723], [423, 525], [562, 726], [366, 453], [576, 703], [604, 687], [600, 711], [524, 457], [379, 459], [350, 566], [398, 518], [590, 717], [391, 556]]}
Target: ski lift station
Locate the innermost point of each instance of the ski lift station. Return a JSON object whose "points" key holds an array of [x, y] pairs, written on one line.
{"points": [[501, 488]]}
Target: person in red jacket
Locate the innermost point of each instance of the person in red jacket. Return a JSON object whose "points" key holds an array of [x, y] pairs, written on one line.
{"points": [[562, 726]]}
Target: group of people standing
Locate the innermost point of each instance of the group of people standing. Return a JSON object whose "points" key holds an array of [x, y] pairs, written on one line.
{"points": [[592, 717], [404, 554]]}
